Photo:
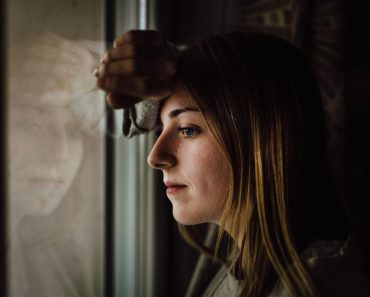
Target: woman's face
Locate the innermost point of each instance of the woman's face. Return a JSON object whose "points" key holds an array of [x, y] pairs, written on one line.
{"points": [[47, 86], [194, 168], [46, 149]]}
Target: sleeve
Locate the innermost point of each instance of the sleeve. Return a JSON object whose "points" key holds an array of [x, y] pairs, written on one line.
{"points": [[141, 118]]}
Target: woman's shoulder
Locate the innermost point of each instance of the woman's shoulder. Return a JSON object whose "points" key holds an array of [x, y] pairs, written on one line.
{"points": [[221, 285]]}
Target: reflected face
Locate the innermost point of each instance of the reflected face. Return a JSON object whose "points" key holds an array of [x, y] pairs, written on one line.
{"points": [[46, 148], [193, 166]]}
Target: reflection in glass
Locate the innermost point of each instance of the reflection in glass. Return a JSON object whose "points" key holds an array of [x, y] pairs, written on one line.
{"points": [[55, 153]]}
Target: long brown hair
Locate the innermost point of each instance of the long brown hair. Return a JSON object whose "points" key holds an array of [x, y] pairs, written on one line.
{"points": [[260, 97]]}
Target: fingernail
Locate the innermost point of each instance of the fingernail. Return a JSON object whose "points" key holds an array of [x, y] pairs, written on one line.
{"points": [[96, 72]]}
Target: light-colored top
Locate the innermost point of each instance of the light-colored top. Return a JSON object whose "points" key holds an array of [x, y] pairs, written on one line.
{"points": [[335, 266]]}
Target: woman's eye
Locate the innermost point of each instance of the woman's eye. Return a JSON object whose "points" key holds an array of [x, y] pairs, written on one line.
{"points": [[74, 131], [29, 127], [189, 132]]}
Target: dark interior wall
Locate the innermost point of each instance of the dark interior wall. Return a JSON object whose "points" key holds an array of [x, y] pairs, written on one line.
{"points": [[185, 20], [357, 59]]}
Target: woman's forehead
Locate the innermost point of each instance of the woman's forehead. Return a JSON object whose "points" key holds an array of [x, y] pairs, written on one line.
{"points": [[180, 98]]}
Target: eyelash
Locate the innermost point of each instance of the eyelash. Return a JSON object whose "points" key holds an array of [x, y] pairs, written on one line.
{"points": [[194, 131], [183, 130]]}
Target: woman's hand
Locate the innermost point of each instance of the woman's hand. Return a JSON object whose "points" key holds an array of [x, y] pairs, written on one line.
{"points": [[139, 66]]}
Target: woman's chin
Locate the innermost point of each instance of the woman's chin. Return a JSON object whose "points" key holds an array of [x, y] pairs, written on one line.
{"points": [[30, 202], [44, 207], [187, 217]]}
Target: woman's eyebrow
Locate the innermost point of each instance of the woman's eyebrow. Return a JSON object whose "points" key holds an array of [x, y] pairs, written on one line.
{"points": [[174, 113]]}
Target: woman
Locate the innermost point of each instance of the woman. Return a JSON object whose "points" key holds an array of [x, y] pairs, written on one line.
{"points": [[242, 146]]}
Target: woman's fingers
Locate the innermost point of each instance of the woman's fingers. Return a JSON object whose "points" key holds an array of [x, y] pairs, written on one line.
{"points": [[139, 66], [136, 51], [137, 87], [134, 67], [140, 36]]}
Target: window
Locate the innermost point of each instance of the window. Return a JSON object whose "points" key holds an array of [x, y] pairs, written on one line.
{"points": [[74, 203], [56, 122]]}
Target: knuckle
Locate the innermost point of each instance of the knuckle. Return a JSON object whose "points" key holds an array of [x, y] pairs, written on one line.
{"points": [[101, 83], [118, 40], [108, 56], [104, 69], [130, 35], [110, 100]]}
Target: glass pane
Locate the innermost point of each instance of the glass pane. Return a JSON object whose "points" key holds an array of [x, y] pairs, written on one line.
{"points": [[56, 148]]}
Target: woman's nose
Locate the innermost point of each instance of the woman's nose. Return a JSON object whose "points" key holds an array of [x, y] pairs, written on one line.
{"points": [[57, 148], [162, 154]]}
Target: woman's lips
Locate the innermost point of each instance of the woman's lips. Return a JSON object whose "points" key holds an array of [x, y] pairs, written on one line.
{"points": [[174, 189], [46, 180]]}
